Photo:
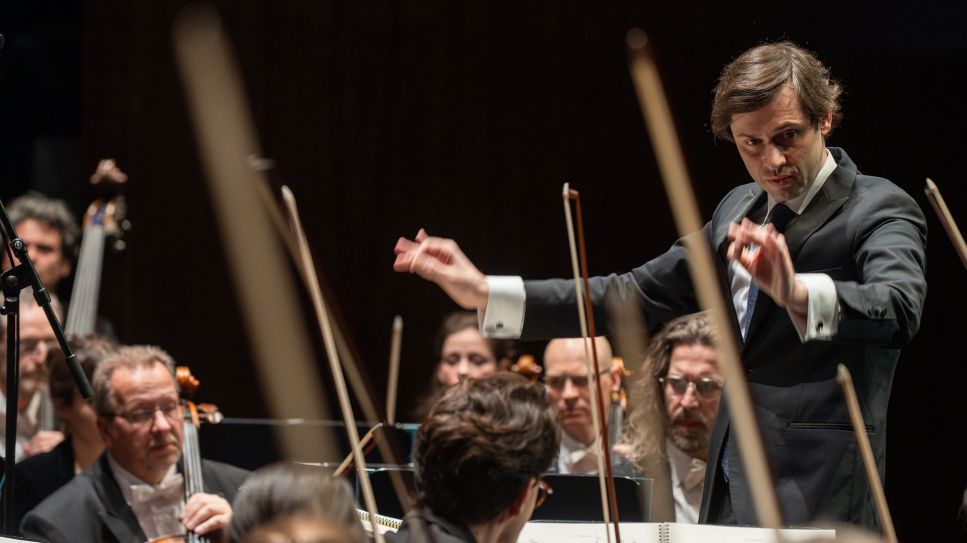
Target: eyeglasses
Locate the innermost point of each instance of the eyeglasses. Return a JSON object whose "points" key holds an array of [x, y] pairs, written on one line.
{"points": [[30, 347], [171, 411], [706, 387], [543, 491], [557, 382]]}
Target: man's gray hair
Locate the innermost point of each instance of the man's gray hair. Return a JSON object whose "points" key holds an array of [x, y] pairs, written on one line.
{"points": [[130, 357]]}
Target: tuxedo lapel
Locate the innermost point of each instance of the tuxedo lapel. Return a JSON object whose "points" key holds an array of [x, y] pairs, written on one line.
{"points": [[753, 198], [117, 515], [828, 201]]}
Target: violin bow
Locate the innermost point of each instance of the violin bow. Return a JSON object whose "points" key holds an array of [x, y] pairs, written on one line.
{"points": [[226, 135], [308, 269], [671, 163], [364, 443], [866, 452], [394, 369], [940, 206], [631, 338], [609, 501]]}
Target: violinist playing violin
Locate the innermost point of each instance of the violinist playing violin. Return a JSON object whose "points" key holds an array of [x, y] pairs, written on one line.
{"points": [[823, 264], [134, 492]]}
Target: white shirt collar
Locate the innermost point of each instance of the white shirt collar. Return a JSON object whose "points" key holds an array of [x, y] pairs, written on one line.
{"points": [[682, 464], [799, 203]]}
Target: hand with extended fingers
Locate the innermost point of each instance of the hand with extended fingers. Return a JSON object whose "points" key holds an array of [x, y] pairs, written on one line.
{"points": [[441, 261], [762, 250]]}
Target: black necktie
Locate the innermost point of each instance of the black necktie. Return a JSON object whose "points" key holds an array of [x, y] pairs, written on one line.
{"points": [[780, 217]]}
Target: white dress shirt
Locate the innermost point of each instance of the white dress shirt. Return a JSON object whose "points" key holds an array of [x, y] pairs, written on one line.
{"points": [[688, 483]]}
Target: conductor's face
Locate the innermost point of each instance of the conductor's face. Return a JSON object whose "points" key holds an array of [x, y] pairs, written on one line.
{"points": [[144, 434], [780, 147]]}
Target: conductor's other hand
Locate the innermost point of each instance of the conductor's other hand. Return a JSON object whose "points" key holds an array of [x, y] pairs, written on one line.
{"points": [[441, 261], [764, 253]]}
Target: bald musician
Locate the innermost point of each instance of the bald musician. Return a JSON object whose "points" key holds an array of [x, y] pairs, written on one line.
{"points": [[823, 264], [566, 377]]}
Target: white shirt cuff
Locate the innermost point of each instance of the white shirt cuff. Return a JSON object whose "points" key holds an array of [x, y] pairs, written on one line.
{"points": [[504, 315], [822, 318]]}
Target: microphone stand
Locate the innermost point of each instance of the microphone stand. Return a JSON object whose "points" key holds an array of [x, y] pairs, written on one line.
{"points": [[13, 281]]}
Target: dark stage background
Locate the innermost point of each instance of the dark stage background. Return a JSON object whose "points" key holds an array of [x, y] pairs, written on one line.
{"points": [[465, 118]]}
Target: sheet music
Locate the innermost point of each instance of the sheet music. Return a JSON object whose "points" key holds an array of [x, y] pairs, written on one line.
{"points": [[665, 532], [587, 532]]}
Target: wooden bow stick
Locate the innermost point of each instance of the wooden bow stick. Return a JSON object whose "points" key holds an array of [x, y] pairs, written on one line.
{"points": [[325, 323], [311, 281], [364, 442], [225, 135], [937, 201], [394, 369], [631, 337], [661, 129], [866, 452], [609, 501]]}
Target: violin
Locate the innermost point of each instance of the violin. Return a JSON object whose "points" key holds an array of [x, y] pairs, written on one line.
{"points": [[527, 367], [194, 414]]}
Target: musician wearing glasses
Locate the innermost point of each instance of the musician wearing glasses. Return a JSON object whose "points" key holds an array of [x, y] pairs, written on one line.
{"points": [[566, 377], [36, 428], [479, 458], [680, 385], [134, 492]]}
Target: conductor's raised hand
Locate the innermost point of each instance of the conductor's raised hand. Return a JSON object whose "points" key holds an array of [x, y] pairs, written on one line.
{"points": [[440, 260], [764, 253]]}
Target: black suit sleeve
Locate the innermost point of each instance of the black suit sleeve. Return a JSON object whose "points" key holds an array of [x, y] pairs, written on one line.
{"points": [[889, 236]]}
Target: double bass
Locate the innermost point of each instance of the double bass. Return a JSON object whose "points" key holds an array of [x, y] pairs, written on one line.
{"points": [[105, 220]]}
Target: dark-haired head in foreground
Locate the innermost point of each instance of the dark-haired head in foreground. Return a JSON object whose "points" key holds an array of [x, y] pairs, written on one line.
{"points": [[479, 458], [285, 490]]}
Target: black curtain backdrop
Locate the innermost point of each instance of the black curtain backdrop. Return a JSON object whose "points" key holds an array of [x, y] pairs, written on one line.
{"points": [[465, 118]]}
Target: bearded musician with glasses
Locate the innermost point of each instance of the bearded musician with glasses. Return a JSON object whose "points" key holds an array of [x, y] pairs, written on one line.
{"points": [[681, 385], [134, 491]]}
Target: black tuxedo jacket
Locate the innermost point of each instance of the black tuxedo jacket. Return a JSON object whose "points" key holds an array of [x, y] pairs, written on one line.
{"points": [[866, 234], [40, 476], [91, 508]]}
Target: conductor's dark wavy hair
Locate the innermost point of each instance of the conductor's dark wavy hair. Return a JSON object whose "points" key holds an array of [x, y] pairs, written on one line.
{"points": [[482, 442], [751, 81]]}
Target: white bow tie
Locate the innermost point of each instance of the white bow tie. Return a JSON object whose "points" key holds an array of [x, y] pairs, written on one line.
{"points": [[158, 507]]}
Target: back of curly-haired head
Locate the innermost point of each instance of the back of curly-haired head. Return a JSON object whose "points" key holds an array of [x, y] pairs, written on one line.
{"points": [[481, 444]]}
